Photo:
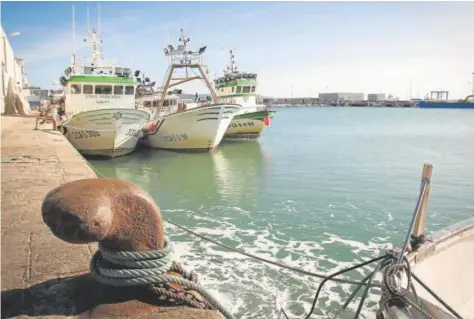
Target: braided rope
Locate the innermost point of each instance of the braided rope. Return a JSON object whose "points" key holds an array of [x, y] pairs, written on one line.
{"points": [[146, 268]]}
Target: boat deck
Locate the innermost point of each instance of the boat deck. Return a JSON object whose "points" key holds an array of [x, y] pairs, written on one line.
{"points": [[446, 267]]}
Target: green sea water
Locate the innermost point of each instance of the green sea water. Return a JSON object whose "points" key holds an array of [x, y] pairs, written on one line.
{"points": [[323, 189]]}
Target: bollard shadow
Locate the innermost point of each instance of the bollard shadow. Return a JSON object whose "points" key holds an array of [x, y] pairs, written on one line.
{"points": [[73, 296]]}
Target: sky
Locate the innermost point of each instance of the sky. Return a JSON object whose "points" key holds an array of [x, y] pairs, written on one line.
{"points": [[297, 49]]}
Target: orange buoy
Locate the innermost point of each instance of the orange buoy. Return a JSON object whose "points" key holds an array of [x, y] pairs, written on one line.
{"points": [[266, 120]]}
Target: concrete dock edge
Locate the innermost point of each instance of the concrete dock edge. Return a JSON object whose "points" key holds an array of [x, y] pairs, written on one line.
{"points": [[33, 163]]}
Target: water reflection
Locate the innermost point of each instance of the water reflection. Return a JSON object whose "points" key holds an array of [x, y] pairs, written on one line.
{"points": [[232, 174]]}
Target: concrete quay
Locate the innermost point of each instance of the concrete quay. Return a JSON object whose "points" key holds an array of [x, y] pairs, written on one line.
{"points": [[41, 274], [33, 163]]}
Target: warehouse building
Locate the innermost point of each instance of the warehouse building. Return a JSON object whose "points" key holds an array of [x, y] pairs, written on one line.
{"points": [[376, 97], [340, 97]]}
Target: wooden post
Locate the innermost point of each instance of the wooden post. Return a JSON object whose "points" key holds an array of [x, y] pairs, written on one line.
{"points": [[419, 228]]}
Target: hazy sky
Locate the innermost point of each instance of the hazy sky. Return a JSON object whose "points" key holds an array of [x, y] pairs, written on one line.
{"points": [[300, 47]]}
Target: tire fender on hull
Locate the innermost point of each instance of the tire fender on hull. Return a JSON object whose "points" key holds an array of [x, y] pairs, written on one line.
{"points": [[62, 129]]}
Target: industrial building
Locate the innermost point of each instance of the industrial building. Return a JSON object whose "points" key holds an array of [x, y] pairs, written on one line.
{"points": [[376, 97], [340, 97]]}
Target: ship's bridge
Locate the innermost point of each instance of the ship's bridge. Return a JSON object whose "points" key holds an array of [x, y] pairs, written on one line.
{"points": [[236, 84]]}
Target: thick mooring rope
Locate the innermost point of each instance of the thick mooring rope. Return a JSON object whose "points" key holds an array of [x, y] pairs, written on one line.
{"points": [[144, 268]]}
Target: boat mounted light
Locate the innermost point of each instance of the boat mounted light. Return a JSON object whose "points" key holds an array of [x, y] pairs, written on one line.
{"points": [[137, 73], [165, 50], [62, 80], [147, 79], [201, 50]]}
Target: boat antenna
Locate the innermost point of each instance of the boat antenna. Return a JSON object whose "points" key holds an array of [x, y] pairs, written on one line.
{"points": [[184, 40], [98, 17], [233, 66], [88, 20], [73, 32], [73, 39]]}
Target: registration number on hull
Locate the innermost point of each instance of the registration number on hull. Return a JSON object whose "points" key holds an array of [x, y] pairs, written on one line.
{"points": [[175, 137], [85, 134], [240, 124]]}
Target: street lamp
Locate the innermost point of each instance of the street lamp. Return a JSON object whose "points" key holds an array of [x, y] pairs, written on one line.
{"points": [[14, 34]]}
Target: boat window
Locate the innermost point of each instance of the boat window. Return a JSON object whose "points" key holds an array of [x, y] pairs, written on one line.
{"points": [[233, 89], [118, 89], [103, 89], [246, 89], [166, 103], [88, 89], [75, 89], [253, 89], [239, 89], [129, 90]]}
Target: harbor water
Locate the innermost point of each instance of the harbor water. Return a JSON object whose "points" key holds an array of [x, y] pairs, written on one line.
{"points": [[323, 189]]}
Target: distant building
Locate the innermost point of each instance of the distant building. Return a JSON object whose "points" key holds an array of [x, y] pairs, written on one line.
{"points": [[340, 97], [376, 97]]}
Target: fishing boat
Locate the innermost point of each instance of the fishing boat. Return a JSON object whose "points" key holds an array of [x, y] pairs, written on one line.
{"points": [[99, 116], [241, 88], [197, 128]]}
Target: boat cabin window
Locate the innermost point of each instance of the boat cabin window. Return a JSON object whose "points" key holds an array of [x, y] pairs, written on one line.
{"points": [[87, 70], [246, 89], [129, 90], [233, 89], [88, 89], [103, 89], [253, 89], [118, 89], [239, 89], [75, 89]]}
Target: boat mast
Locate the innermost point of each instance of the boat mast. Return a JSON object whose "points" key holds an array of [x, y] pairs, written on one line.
{"points": [[182, 58], [95, 40], [73, 40]]}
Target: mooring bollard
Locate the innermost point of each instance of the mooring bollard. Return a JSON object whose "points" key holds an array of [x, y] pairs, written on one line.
{"points": [[132, 273]]}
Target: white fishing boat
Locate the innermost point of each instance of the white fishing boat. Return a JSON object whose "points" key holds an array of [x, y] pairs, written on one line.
{"points": [[99, 116], [196, 128], [241, 88]]}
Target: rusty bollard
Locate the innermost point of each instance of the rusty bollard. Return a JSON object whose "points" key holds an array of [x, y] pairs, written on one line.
{"points": [[125, 221]]}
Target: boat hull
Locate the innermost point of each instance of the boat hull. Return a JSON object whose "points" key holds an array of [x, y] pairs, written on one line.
{"points": [[199, 129], [248, 125], [446, 105], [105, 132]]}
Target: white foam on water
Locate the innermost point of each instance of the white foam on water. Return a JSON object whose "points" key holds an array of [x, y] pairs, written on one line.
{"points": [[253, 289]]}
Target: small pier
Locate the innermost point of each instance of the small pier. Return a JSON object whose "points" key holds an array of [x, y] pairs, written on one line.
{"points": [[43, 275]]}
